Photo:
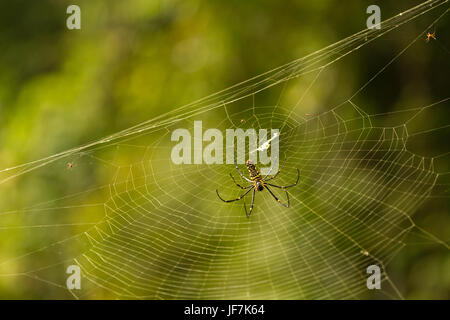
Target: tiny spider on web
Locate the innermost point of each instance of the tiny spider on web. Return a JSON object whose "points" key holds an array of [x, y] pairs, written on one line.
{"points": [[258, 183], [430, 35]]}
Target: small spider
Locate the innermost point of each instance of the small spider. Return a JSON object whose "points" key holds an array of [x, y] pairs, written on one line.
{"points": [[70, 165], [430, 35], [258, 183]]}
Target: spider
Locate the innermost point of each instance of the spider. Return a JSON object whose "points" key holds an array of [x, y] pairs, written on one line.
{"points": [[430, 35], [258, 183]]}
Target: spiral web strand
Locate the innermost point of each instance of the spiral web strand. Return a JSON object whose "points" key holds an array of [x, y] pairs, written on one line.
{"points": [[143, 227]]}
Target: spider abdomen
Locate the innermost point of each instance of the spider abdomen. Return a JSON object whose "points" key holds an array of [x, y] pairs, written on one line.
{"points": [[253, 171], [255, 176]]}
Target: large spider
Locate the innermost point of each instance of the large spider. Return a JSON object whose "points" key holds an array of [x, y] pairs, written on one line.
{"points": [[258, 183]]}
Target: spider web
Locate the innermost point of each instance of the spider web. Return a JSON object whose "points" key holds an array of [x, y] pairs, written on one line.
{"points": [[140, 226]]}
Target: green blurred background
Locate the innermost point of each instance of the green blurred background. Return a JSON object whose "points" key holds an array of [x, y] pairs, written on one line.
{"points": [[134, 60]]}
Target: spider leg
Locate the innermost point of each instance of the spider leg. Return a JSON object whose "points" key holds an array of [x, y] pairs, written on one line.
{"points": [[251, 206], [273, 177], [240, 173], [239, 198], [239, 184], [284, 187], [278, 200]]}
